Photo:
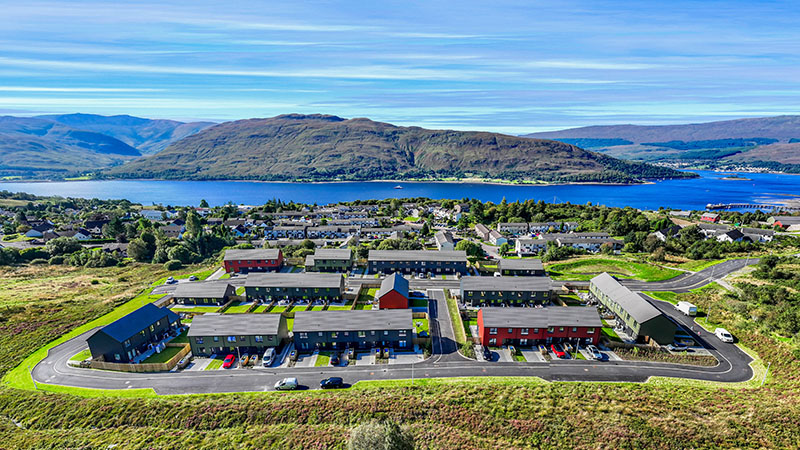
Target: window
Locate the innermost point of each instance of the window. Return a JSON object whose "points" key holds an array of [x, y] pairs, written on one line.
{"points": [[347, 333], [561, 329], [216, 338], [259, 338], [372, 332], [116, 356], [385, 332], [303, 335], [402, 343], [492, 330], [524, 331], [334, 335], [590, 331], [493, 341], [128, 343], [549, 329], [362, 334], [510, 330], [402, 333], [535, 331], [198, 340], [574, 329], [231, 339], [152, 328]]}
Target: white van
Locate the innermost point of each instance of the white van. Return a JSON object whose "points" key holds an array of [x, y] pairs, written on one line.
{"points": [[723, 335], [269, 357], [686, 308], [286, 384]]}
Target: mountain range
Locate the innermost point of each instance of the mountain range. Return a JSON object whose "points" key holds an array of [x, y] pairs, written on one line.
{"points": [[767, 142], [322, 147]]}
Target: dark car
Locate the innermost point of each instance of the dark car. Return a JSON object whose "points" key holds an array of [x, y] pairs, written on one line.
{"points": [[487, 354], [331, 383], [335, 359]]}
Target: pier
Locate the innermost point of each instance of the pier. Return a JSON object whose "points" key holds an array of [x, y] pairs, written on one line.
{"points": [[767, 207]]}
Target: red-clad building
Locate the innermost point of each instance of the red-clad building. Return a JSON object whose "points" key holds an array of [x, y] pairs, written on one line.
{"points": [[393, 293], [252, 260], [710, 217], [533, 326]]}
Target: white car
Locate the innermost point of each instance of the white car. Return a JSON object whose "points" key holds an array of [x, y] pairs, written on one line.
{"points": [[723, 335], [286, 384]]}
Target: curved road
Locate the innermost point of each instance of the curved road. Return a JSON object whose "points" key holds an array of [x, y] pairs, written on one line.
{"points": [[445, 361]]}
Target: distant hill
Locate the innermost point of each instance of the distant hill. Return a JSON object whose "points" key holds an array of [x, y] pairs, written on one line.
{"points": [[147, 135], [320, 147], [768, 142], [35, 147]]}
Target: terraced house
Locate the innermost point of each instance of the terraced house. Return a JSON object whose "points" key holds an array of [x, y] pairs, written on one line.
{"points": [[534, 326], [360, 329], [521, 267], [330, 260], [478, 291], [126, 338], [640, 319], [294, 286], [232, 333], [203, 293], [252, 260], [417, 261]]}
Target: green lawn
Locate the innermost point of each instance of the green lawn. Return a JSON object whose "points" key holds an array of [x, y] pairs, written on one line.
{"points": [[323, 359], [666, 296], [347, 306], [518, 357], [201, 275], [238, 308], [367, 295], [610, 334], [225, 276], [182, 338], [290, 323], [85, 354], [586, 269], [215, 364], [195, 309], [164, 356], [277, 309], [363, 306], [455, 317], [260, 309], [421, 325]]}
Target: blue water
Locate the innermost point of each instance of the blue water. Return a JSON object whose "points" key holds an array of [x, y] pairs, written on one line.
{"points": [[684, 194]]}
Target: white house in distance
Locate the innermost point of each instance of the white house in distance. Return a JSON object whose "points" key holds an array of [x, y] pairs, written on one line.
{"points": [[444, 240]]}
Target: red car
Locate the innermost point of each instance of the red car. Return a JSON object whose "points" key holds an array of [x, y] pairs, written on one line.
{"points": [[557, 350], [228, 362]]}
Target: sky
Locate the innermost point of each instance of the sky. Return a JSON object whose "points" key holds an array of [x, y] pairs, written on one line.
{"points": [[505, 66]]}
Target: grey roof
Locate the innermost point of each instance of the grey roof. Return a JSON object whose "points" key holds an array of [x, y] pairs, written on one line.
{"points": [[640, 309], [136, 321], [358, 320], [551, 316], [201, 289], [418, 255], [395, 282], [290, 280], [235, 324], [443, 237], [513, 224], [333, 253], [788, 220], [250, 254], [760, 231], [520, 264], [481, 228], [536, 284]]}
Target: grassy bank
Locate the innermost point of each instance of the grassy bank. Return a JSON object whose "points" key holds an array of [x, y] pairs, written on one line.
{"points": [[587, 268]]}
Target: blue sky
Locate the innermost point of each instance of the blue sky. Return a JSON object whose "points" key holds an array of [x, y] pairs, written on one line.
{"points": [[515, 66]]}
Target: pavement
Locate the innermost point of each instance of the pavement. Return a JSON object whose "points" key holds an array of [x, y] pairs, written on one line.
{"points": [[444, 362]]}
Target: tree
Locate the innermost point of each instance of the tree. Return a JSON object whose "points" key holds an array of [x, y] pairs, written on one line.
{"points": [[203, 203], [193, 224], [63, 246], [143, 248], [380, 436], [115, 229], [472, 249]]}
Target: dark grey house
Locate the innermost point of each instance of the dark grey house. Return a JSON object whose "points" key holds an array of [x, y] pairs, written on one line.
{"points": [[294, 286], [411, 261], [236, 333], [330, 260], [521, 267], [203, 293], [360, 329], [639, 318], [125, 338], [512, 290]]}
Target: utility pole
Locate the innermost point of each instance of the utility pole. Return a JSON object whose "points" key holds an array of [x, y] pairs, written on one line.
{"points": [[764, 380]]}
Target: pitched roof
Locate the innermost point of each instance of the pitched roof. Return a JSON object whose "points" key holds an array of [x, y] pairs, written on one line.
{"points": [[640, 309], [520, 264], [291, 280], [788, 220], [418, 255], [536, 284], [333, 253], [551, 316], [235, 324], [132, 323], [255, 253], [394, 282], [443, 237], [202, 289], [358, 320]]}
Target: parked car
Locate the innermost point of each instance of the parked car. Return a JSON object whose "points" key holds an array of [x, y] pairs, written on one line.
{"points": [[487, 354], [269, 357], [286, 384], [558, 351], [293, 355], [184, 362], [331, 383], [86, 363], [170, 280], [244, 359], [543, 349], [675, 347], [594, 352], [335, 359], [723, 335], [228, 362], [192, 278]]}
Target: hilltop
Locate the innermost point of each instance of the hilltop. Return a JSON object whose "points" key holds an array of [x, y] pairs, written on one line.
{"points": [[766, 142], [322, 147]]}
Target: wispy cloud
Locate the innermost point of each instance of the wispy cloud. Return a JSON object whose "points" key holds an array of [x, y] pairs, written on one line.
{"points": [[73, 89], [590, 65]]}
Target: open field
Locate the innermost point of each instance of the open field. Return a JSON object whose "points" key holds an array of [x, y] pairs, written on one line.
{"points": [[585, 269]]}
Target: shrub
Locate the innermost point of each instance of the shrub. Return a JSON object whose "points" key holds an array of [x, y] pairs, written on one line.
{"points": [[56, 260], [468, 350], [39, 261], [380, 436], [173, 264]]}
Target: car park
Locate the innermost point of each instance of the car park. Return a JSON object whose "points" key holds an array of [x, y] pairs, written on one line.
{"points": [[558, 351], [331, 383], [594, 352], [723, 335], [269, 357], [286, 384], [228, 362]]}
